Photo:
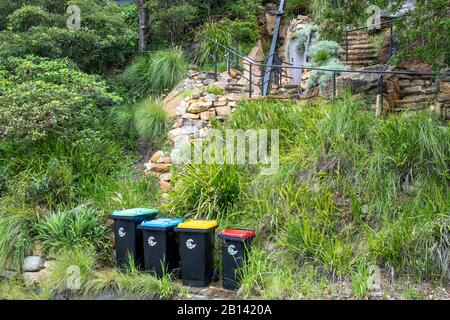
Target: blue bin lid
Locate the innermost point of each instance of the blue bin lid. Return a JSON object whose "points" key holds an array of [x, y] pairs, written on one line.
{"points": [[137, 212], [163, 223]]}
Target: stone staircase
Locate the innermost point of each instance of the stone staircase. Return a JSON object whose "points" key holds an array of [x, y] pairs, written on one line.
{"points": [[361, 53]]}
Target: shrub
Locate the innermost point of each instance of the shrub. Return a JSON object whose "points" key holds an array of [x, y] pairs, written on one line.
{"points": [[322, 78], [208, 191], [218, 91], [217, 31], [29, 16], [151, 121], [302, 36], [15, 241], [320, 52], [48, 97], [72, 270], [156, 72], [70, 229]]}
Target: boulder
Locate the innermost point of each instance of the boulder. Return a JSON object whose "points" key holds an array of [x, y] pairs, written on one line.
{"points": [[191, 116], [33, 263], [166, 177], [164, 167], [199, 107], [208, 115]]}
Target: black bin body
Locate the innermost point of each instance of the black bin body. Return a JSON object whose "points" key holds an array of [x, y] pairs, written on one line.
{"points": [[160, 242], [197, 255], [129, 238], [235, 246]]}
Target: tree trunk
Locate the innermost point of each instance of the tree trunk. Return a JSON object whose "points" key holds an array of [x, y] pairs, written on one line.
{"points": [[143, 24]]}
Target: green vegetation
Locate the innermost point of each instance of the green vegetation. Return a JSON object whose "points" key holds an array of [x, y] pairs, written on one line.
{"points": [[151, 122], [353, 191], [103, 42], [62, 230], [156, 73]]}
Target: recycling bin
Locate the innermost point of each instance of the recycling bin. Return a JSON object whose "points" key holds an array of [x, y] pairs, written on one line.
{"points": [[128, 237], [160, 244], [197, 240], [235, 245]]}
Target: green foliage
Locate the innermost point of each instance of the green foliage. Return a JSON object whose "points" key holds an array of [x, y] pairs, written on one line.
{"points": [[28, 16], [303, 34], [16, 241], [217, 31], [218, 91], [151, 121], [323, 77], [425, 36], [47, 97], [72, 270], [360, 280], [68, 230], [208, 191], [102, 43], [156, 72], [320, 52]]}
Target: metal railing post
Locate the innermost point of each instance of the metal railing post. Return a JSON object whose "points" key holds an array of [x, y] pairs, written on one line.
{"points": [[391, 43], [250, 89], [334, 85], [228, 63], [216, 67], [381, 92]]}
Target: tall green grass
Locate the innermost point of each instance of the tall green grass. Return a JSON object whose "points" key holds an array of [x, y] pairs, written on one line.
{"points": [[156, 72], [151, 122]]}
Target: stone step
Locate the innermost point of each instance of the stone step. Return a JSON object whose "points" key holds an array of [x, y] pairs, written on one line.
{"points": [[411, 107], [359, 46], [362, 62], [360, 56], [357, 38], [415, 100], [360, 51], [404, 83], [417, 90]]}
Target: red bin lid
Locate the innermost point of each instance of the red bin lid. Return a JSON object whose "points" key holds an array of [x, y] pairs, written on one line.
{"points": [[238, 233]]}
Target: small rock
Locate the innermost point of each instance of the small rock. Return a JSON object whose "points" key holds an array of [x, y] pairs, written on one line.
{"points": [[191, 116], [165, 177], [211, 97], [31, 278], [160, 167], [208, 115], [220, 103], [49, 264], [196, 95], [199, 107], [33, 263], [156, 156], [164, 160], [165, 186], [223, 111]]}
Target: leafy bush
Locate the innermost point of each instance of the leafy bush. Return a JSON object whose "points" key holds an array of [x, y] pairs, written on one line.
{"points": [[151, 121], [156, 72], [421, 35], [207, 191], [217, 31], [103, 42], [47, 97], [322, 78], [72, 270], [303, 34], [320, 52], [218, 91], [28, 16], [71, 229]]}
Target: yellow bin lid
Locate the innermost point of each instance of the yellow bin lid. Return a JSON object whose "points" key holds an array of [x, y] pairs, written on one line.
{"points": [[198, 224]]}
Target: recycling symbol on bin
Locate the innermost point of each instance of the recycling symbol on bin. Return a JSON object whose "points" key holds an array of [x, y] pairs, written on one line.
{"points": [[151, 241], [122, 232], [190, 244], [232, 250]]}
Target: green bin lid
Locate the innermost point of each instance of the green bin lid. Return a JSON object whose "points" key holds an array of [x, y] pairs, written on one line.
{"points": [[133, 213]]}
